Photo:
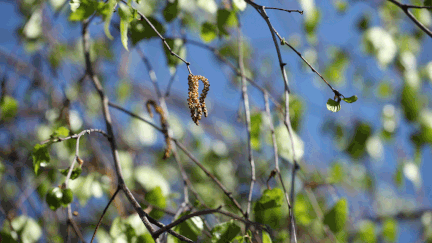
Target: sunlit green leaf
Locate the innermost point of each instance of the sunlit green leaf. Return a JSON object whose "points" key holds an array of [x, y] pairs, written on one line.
{"points": [[270, 199], [67, 196], [337, 173], [126, 17], [208, 32], [8, 107], [155, 197], [256, 121], [40, 156], [225, 232], [389, 230], [239, 4], [85, 10], [366, 232], [351, 99], [303, 210], [333, 106], [61, 132], [225, 19], [266, 237], [337, 216], [191, 228], [109, 8]]}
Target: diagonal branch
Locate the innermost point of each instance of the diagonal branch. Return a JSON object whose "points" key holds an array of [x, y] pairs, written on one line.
{"points": [[406, 7], [103, 213], [247, 116]]}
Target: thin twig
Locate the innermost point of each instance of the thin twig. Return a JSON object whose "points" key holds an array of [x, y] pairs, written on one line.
{"points": [[286, 10], [247, 116], [103, 213], [162, 38], [406, 7], [287, 122], [108, 122], [184, 218], [73, 224]]}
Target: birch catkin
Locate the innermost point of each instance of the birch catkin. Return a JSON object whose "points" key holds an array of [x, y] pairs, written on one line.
{"points": [[197, 106], [164, 125]]}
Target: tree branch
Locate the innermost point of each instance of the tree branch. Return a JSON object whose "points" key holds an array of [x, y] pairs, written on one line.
{"points": [[406, 7]]}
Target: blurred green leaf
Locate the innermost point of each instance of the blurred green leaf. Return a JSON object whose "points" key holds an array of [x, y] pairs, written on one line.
{"points": [[177, 47], [191, 228], [239, 4], [54, 198], [385, 90], [61, 132], [155, 197], [333, 106], [270, 198], [398, 176], [335, 72], [256, 122], [8, 107], [85, 10], [312, 20], [171, 10], [389, 230], [225, 232], [303, 210], [107, 10], [40, 156], [351, 99], [141, 30], [225, 19], [28, 229], [410, 102], [366, 232], [357, 145], [76, 172], [337, 173], [126, 17], [266, 237], [67, 196], [208, 32], [337, 216]]}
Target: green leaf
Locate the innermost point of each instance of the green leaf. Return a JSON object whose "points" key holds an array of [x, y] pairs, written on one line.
{"points": [[208, 32], [303, 210], [337, 216], [339, 63], [177, 47], [8, 107], [333, 106], [337, 173], [366, 232], [357, 145], [67, 196], [54, 198], [40, 156], [351, 99], [145, 238], [410, 102], [225, 232], [171, 10], [61, 131], [141, 30], [389, 230], [156, 198], [76, 172], [398, 176], [191, 228], [109, 8], [312, 20], [266, 237], [225, 19], [125, 18], [271, 198], [85, 10], [256, 122]]}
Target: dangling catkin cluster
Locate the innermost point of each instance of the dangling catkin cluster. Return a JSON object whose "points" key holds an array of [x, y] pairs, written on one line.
{"points": [[164, 124], [197, 106]]}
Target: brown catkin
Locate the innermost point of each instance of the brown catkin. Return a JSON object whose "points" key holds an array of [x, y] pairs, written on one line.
{"points": [[197, 106], [164, 125]]}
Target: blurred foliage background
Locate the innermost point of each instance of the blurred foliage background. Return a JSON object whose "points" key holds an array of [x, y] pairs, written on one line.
{"points": [[364, 171]]}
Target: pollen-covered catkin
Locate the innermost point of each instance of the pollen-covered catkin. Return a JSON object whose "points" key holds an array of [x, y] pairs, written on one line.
{"points": [[197, 106], [164, 125]]}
